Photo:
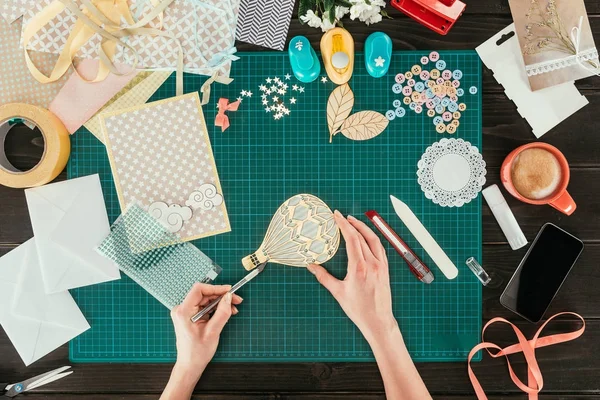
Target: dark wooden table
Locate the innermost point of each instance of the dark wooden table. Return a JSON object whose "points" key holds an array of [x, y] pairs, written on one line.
{"points": [[571, 370]]}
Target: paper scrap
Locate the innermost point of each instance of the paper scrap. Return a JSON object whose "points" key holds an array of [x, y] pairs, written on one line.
{"points": [[79, 100], [17, 85], [265, 23], [130, 96]]}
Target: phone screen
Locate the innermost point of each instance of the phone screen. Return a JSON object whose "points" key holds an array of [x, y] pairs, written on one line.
{"points": [[542, 272]]}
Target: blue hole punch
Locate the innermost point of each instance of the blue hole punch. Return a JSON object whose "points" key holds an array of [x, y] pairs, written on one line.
{"points": [[304, 60], [378, 54]]}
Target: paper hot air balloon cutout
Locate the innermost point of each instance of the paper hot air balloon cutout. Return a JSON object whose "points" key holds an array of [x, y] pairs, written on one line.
{"points": [[302, 232]]}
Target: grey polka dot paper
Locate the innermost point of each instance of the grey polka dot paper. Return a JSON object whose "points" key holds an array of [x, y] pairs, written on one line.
{"points": [[161, 152]]}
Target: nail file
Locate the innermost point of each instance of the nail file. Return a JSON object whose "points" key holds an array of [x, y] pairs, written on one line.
{"points": [[425, 239]]}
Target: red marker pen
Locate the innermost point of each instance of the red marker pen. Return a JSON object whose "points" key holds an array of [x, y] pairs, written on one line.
{"points": [[417, 267]]}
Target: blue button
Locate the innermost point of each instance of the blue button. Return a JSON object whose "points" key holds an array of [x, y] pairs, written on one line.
{"points": [[441, 64], [460, 92], [397, 103], [438, 120], [473, 90], [445, 101], [412, 106], [457, 74], [452, 106], [400, 112], [419, 86], [429, 93], [436, 100], [390, 114], [397, 88], [439, 109]]}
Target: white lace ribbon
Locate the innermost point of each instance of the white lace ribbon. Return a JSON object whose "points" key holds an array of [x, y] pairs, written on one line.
{"points": [[580, 57]]}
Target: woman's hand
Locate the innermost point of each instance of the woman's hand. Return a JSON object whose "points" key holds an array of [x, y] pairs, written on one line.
{"points": [[197, 342], [364, 294]]}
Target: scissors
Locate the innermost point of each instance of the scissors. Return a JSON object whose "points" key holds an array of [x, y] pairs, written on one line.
{"points": [[33, 383], [233, 289]]}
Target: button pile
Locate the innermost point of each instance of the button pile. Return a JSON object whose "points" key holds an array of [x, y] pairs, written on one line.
{"points": [[436, 91]]}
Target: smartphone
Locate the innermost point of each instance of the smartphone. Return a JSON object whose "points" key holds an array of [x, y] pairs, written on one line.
{"points": [[541, 273]]}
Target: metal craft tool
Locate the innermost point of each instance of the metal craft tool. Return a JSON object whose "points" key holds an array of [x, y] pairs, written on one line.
{"points": [[420, 233], [417, 267], [233, 289], [17, 388]]}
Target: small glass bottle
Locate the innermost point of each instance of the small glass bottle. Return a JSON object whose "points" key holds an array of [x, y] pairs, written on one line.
{"points": [[478, 270]]}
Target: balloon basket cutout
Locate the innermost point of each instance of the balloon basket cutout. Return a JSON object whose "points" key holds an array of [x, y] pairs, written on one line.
{"points": [[302, 232]]}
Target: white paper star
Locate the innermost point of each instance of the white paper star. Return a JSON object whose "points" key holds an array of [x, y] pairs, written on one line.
{"points": [[301, 89], [324, 79], [265, 102], [281, 91], [249, 93], [293, 100], [243, 93], [268, 109], [379, 61], [286, 111], [240, 99], [263, 96], [275, 98], [268, 91], [262, 88], [294, 87], [287, 77], [276, 80], [268, 80]]}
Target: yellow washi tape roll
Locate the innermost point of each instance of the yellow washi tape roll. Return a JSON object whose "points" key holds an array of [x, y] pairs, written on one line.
{"points": [[57, 146]]}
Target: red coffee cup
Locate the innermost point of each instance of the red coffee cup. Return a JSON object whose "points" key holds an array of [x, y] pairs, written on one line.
{"points": [[560, 199]]}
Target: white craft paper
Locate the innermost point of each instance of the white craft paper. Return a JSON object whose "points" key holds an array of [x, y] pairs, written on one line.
{"points": [[69, 221], [204, 28], [543, 109], [36, 323]]}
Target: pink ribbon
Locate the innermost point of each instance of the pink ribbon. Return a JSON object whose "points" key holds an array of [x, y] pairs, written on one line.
{"points": [[222, 119], [535, 382]]}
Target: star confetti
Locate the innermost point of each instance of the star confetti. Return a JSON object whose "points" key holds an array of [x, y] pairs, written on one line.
{"points": [[301, 89], [324, 79], [294, 87], [262, 88], [293, 100], [276, 105], [249, 93], [287, 77], [243, 93], [268, 80]]}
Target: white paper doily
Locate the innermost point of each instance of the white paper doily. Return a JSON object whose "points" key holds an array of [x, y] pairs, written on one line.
{"points": [[451, 172]]}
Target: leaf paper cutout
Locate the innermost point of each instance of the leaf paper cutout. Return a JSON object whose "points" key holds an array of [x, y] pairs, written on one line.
{"points": [[339, 107], [364, 125]]}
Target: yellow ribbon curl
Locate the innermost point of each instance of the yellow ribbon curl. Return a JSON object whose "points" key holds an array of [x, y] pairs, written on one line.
{"points": [[102, 17]]}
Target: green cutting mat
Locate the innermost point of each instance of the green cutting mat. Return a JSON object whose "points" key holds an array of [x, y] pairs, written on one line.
{"points": [[286, 314]]}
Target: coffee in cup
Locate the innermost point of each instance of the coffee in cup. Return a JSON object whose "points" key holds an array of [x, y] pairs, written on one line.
{"points": [[536, 173]]}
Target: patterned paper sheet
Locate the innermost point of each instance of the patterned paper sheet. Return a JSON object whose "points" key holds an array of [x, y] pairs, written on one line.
{"points": [[11, 10], [205, 30], [137, 92], [17, 85], [161, 158]]}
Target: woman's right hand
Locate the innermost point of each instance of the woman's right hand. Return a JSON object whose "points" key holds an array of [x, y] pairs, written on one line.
{"points": [[365, 293]]}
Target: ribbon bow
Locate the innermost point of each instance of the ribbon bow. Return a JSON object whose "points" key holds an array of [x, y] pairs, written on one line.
{"points": [[535, 382], [576, 39], [222, 119]]}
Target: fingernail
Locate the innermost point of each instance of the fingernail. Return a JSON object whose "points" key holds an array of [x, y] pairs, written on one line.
{"points": [[311, 269], [227, 298], [351, 218], [240, 297], [337, 213]]}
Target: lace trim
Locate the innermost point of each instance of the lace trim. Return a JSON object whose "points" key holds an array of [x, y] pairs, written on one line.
{"points": [[553, 65]]}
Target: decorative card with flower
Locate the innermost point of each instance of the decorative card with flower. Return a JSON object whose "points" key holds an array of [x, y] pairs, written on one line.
{"points": [[556, 41]]}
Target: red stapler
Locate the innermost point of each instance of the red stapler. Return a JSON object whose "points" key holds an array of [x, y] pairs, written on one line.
{"points": [[437, 15]]}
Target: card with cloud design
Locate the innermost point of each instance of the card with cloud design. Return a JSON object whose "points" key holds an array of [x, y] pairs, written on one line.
{"points": [[166, 165]]}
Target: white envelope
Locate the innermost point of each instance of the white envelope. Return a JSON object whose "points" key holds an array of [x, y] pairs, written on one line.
{"points": [[69, 221], [36, 323]]}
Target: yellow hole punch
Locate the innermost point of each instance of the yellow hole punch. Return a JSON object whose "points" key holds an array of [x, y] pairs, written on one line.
{"points": [[337, 50]]}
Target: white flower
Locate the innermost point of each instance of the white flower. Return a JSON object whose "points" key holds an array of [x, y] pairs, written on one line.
{"points": [[358, 8], [312, 19], [340, 11], [327, 25], [373, 18]]}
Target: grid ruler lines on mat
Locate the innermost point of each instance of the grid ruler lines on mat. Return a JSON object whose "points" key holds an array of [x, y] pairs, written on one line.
{"points": [[286, 314]]}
